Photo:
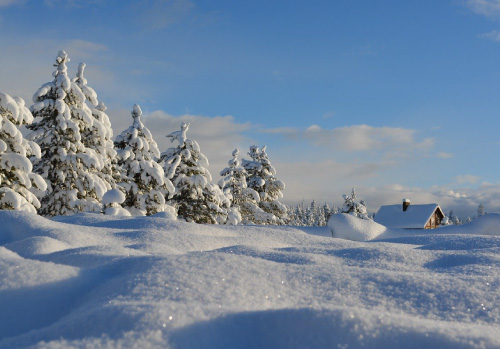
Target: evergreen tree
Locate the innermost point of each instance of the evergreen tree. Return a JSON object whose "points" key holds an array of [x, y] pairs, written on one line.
{"points": [[480, 210], [296, 215], [196, 198], [327, 211], [243, 199], [312, 215], [451, 216], [262, 179], [19, 187], [70, 168], [352, 206], [99, 135], [145, 183]]}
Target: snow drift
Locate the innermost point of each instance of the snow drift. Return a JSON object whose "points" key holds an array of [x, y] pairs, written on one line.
{"points": [[92, 280], [349, 227]]}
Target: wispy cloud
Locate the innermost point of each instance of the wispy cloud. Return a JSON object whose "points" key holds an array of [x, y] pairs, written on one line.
{"points": [[6, 3], [158, 14], [358, 137], [493, 35], [488, 8], [467, 179], [328, 115], [73, 3], [444, 155]]}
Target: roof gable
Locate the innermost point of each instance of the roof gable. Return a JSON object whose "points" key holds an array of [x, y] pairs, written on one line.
{"points": [[415, 216]]}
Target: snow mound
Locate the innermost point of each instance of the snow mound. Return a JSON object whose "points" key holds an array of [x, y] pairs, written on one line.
{"points": [[488, 224], [349, 227], [37, 245], [112, 196], [91, 280]]}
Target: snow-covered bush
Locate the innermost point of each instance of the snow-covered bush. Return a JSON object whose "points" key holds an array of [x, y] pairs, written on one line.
{"points": [[144, 181], [353, 207], [112, 201], [262, 178], [243, 199], [19, 187], [69, 167], [196, 198]]}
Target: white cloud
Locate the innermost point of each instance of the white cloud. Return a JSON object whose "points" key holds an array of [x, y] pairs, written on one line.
{"points": [[6, 3], [467, 179], [328, 115], [444, 155], [72, 3], [157, 14], [493, 35], [488, 8], [360, 138]]}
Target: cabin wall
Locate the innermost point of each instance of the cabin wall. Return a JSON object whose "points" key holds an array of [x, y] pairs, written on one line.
{"points": [[434, 221]]}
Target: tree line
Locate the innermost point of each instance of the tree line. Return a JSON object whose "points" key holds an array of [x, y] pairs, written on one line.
{"points": [[69, 163]]}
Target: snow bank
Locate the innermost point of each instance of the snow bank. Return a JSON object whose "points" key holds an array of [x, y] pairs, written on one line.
{"points": [[484, 225], [351, 228], [91, 280], [345, 226]]}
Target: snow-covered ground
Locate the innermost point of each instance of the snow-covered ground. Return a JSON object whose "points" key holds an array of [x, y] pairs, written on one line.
{"points": [[91, 280]]}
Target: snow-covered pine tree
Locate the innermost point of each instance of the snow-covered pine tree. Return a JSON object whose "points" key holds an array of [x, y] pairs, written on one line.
{"points": [[322, 217], [244, 199], [310, 215], [196, 198], [327, 211], [352, 206], [480, 210], [99, 135], [262, 179], [295, 215], [19, 187], [145, 183], [451, 216], [69, 167]]}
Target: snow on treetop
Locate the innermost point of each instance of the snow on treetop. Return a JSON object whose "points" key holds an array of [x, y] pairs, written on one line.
{"points": [[15, 107], [136, 112], [62, 57], [79, 75], [136, 115], [180, 136]]}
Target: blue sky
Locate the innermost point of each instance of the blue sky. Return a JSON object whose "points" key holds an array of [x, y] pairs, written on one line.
{"points": [[396, 98]]}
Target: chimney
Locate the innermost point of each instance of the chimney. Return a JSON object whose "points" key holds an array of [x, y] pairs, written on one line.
{"points": [[406, 203]]}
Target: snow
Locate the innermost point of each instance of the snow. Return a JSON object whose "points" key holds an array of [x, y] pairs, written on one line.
{"points": [[92, 280], [350, 227], [112, 196], [415, 216]]}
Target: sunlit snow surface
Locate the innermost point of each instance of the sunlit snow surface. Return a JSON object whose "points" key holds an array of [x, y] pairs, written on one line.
{"points": [[91, 280]]}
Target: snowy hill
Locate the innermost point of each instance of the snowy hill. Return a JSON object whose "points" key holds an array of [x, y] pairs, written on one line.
{"points": [[93, 280]]}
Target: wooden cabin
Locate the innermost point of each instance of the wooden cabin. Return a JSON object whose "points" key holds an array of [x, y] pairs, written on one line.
{"points": [[407, 216]]}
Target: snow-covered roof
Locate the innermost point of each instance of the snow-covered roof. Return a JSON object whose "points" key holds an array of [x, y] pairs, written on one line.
{"points": [[415, 216]]}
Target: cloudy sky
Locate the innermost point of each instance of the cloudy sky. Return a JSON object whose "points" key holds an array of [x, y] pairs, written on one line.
{"points": [[396, 98]]}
